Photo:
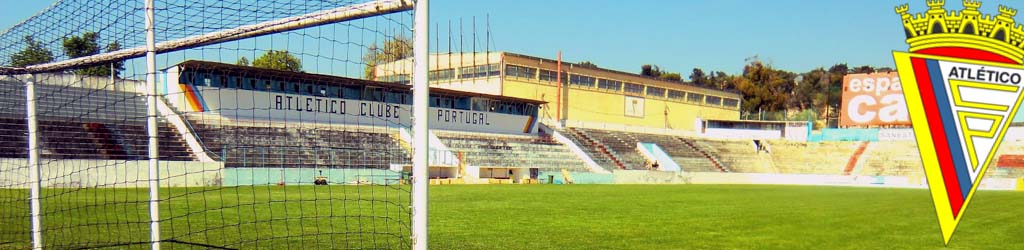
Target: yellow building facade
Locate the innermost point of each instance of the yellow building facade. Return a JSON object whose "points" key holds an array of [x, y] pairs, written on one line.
{"points": [[587, 95]]}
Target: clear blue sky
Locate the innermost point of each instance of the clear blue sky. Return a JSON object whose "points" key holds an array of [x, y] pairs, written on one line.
{"points": [[677, 35]]}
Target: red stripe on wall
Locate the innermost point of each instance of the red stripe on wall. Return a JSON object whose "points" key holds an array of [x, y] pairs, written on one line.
{"points": [[193, 100]]}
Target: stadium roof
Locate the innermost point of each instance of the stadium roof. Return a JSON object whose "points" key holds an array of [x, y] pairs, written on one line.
{"points": [[338, 80]]}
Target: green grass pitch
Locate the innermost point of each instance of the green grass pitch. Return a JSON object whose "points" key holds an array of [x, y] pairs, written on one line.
{"points": [[523, 217]]}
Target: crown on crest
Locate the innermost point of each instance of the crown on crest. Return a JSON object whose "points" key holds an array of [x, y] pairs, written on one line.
{"points": [[968, 28]]}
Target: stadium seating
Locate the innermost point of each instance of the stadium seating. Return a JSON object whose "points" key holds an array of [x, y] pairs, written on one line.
{"points": [[619, 148], [688, 158], [892, 158], [621, 145], [693, 158], [74, 124], [597, 151], [1009, 160], [13, 134], [812, 157], [262, 144], [511, 151], [737, 155]]}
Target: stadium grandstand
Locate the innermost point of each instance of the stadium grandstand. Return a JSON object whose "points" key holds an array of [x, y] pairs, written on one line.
{"points": [[84, 130], [317, 143], [488, 127], [606, 116], [205, 125]]}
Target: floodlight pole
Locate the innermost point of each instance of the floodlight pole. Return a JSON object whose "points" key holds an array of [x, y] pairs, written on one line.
{"points": [[421, 92], [35, 178], [151, 126]]}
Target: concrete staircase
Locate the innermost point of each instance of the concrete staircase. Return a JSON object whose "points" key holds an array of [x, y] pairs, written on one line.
{"points": [[604, 150], [714, 160]]}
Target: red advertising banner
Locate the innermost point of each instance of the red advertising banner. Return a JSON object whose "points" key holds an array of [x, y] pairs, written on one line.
{"points": [[873, 100]]}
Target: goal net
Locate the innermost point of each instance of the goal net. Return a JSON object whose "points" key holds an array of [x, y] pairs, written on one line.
{"points": [[270, 124]]}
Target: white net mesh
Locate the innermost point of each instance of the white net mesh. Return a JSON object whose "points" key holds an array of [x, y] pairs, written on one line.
{"points": [[256, 109]]}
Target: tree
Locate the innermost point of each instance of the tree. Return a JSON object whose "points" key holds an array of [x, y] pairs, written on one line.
{"points": [[811, 90], [87, 45], [764, 88], [656, 72], [397, 48], [279, 60], [835, 87], [697, 77], [839, 68], [863, 70], [720, 80], [675, 77], [242, 61], [650, 70], [33, 54], [84, 45], [587, 64]]}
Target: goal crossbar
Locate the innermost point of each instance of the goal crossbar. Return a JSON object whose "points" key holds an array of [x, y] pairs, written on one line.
{"points": [[336, 15]]}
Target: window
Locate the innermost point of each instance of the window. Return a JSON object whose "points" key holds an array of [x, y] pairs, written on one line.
{"points": [[551, 76], [729, 102], [207, 79], [442, 102], [480, 104], [279, 86], [231, 83], [251, 84], [223, 82], [676, 94], [309, 88], [332, 92], [351, 92], [462, 103], [634, 88], [373, 94], [694, 97], [581, 80], [713, 100], [267, 85], [655, 91], [188, 78], [397, 97], [520, 71], [609, 84], [401, 78], [479, 71], [442, 75]]}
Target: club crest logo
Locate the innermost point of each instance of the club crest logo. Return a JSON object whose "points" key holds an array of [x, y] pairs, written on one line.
{"points": [[962, 82]]}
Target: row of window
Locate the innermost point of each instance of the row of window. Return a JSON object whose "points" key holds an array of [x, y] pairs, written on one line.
{"points": [[552, 76], [401, 78], [744, 125], [352, 92], [483, 105], [468, 72], [613, 85]]}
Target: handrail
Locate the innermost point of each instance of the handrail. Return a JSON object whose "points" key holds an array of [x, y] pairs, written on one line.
{"points": [[186, 130], [199, 138]]}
